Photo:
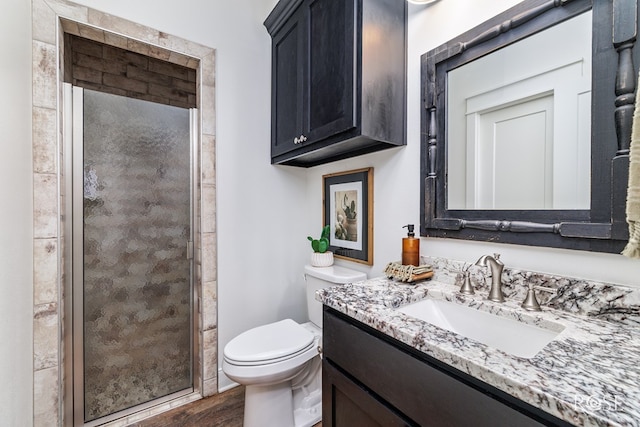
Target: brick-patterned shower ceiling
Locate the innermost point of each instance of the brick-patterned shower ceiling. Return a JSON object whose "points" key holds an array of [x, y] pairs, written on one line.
{"points": [[101, 67]]}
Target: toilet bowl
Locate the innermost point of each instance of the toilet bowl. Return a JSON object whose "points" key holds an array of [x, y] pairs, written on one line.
{"points": [[279, 363], [270, 354]]}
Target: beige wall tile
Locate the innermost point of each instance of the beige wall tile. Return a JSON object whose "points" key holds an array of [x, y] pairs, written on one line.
{"points": [[115, 40], [69, 10], [70, 27], [193, 63], [208, 110], [43, 22], [210, 354], [208, 257], [45, 397], [45, 271], [138, 47], [210, 387], [180, 45], [178, 58], [209, 305], [208, 159], [45, 336], [45, 148], [160, 53], [208, 208], [92, 33], [209, 69], [44, 76], [123, 26], [45, 203]]}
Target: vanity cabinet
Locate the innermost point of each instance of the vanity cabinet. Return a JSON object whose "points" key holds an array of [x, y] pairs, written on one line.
{"points": [[338, 79], [370, 379]]}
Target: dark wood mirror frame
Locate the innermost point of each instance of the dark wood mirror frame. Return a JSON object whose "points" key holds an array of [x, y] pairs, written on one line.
{"points": [[602, 228]]}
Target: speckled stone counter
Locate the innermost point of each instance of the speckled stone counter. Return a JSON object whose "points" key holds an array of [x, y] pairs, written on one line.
{"points": [[589, 375]]}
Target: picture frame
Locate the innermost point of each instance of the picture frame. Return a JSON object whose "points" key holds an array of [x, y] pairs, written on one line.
{"points": [[347, 200]]}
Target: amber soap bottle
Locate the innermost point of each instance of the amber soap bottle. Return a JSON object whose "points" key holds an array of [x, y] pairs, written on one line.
{"points": [[410, 248]]}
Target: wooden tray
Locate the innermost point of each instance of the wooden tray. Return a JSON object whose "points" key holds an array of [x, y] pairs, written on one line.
{"points": [[408, 273]]}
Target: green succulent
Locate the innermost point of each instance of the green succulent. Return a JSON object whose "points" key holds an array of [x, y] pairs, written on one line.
{"points": [[322, 244]]}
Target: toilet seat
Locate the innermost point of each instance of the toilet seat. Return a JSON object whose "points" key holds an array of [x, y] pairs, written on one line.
{"points": [[272, 343], [269, 361]]}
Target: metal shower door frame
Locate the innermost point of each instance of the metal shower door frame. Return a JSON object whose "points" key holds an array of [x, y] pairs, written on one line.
{"points": [[73, 122]]}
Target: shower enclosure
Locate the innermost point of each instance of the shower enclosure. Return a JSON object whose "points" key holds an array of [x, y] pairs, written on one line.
{"points": [[132, 254]]}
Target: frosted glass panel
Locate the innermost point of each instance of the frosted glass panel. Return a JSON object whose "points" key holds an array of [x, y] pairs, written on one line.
{"points": [[137, 288]]}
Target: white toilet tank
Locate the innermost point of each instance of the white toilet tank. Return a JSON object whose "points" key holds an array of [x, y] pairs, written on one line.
{"points": [[324, 277]]}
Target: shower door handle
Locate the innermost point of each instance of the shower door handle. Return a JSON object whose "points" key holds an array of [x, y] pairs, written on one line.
{"points": [[189, 249]]}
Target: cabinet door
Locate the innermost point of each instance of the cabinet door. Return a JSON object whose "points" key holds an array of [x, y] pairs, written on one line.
{"points": [[426, 394], [329, 80], [346, 404], [287, 71]]}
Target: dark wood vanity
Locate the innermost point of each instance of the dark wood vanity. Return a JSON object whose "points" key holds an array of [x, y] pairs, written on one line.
{"points": [[370, 379]]}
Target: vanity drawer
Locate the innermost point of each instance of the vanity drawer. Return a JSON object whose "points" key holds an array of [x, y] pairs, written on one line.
{"points": [[424, 393]]}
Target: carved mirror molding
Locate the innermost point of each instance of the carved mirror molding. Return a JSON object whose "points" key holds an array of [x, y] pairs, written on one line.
{"points": [[601, 228]]}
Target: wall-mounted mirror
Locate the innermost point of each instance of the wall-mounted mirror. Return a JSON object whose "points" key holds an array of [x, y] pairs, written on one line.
{"points": [[526, 126]]}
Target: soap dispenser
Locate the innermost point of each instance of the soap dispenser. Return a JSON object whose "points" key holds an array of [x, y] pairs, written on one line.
{"points": [[410, 248]]}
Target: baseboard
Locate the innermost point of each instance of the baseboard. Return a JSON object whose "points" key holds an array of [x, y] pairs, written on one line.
{"points": [[224, 382]]}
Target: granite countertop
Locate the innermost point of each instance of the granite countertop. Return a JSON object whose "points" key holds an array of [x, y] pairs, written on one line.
{"points": [[589, 375]]}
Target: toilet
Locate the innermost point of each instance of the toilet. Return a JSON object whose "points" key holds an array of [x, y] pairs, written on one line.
{"points": [[280, 363]]}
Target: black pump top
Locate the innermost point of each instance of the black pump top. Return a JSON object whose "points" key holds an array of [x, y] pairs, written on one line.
{"points": [[410, 227]]}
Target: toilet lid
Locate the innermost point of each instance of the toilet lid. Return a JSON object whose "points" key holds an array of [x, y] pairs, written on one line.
{"points": [[269, 342]]}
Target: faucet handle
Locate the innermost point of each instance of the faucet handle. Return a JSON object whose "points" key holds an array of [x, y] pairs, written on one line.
{"points": [[530, 303], [466, 287]]}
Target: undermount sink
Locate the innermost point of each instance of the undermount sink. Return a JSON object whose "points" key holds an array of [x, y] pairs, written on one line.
{"points": [[509, 335]]}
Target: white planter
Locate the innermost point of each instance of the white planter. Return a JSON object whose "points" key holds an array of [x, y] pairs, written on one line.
{"points": [[322, 260]]}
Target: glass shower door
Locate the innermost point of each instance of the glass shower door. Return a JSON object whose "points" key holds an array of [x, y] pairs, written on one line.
{"points": [[132, 263]]}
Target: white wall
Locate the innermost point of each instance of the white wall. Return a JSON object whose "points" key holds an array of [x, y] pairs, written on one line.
{"points": [[16, 301]]}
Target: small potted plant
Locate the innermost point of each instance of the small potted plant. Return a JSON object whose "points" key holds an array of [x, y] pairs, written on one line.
{"points": [[320, 257]]}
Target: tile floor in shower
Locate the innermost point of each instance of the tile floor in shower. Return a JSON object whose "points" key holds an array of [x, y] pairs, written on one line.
{"points": [[222, 410]]}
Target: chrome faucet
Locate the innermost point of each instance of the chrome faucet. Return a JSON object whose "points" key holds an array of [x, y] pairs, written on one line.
{"points": [[496, 266]]}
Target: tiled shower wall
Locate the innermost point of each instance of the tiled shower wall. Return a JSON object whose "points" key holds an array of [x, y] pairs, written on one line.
{"points": [[49, 313]]}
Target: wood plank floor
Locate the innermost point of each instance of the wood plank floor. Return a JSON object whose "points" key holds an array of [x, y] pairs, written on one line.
{"points": [[222, 410]]}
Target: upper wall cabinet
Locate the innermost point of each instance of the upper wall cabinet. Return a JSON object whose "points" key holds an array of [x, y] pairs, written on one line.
{"points": [[338, 79]]}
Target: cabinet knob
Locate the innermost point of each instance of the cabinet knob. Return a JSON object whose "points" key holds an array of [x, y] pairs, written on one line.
{"points": [[299, 139]]}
